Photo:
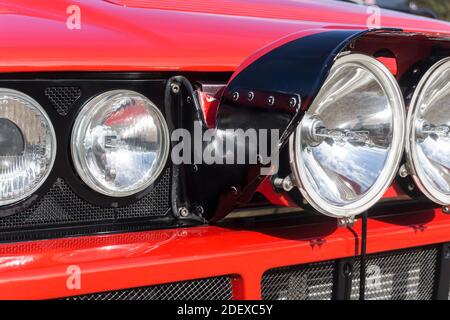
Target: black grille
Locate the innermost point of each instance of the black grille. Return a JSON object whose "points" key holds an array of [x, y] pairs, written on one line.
{"points": [[62, 98], [218, 288], [410, 274], [62, 206], [402, 275], [303, 282]]}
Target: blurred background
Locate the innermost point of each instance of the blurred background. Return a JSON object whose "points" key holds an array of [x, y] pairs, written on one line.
{"points": [[439, 9]]}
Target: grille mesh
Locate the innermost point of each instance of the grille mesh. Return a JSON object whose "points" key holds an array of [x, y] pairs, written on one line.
{"points": [[303, 282], [62, 98], [218, 288], [62, 206], [403, 275]]}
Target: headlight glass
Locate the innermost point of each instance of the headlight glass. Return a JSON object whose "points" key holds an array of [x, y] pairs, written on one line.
{"points": [[27, 146], [120, 143], [346, 150], [428, 144]]}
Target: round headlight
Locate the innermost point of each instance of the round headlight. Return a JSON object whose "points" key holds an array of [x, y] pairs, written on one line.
{"points": [[27, 146], [428, 144], [346, 150], [120, 143]]}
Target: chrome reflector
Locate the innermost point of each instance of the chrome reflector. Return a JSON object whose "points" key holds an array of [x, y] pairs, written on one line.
{"points": [[120, 143], [27, 146], [345, 152], [428, 143]]}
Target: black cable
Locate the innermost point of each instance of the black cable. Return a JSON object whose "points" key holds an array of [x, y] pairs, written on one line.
{"points": [[362, 273]]}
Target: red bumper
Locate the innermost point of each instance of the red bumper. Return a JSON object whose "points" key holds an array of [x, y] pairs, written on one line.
{"points": [[36, 270]]}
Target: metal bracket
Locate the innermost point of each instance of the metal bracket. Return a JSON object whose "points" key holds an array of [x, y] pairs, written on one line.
{"points": [[342, 287], [346, 222]]}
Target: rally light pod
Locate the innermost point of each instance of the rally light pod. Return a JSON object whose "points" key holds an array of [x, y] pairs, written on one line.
{"points": [[428, 134], [346, 151]]}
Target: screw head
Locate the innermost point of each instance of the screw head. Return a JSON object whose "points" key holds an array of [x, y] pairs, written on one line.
{"points": [[234, 190], [293, 102], [287, 185], [250, 95], [259, 159], [348, 270], [403, 171], [199, 210], [447, 253], [183, 212], [235, 96], [175, 88], [445, 209], [271, 100]]}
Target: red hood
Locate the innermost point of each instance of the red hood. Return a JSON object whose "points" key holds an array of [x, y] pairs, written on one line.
{"points": [[194, 35]]}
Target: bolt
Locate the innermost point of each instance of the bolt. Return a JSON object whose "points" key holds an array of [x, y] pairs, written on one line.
{"points": [[250, 96], [348, 269], [271, 100], [287, 184], [278, 182], [447, 253], [445, 209], [188, 99], [175, 88], [183, 211], [234, 190], [293, 102], [259, 158], [403, 171], [411, 187], [235, 96], [199, 210], [183, 233], [195, 168]]}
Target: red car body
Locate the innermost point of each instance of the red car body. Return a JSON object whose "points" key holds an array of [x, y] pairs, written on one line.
{"points": [[181, 36]]}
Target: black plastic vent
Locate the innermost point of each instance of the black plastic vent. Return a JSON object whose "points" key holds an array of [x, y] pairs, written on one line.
{"points": [[62, 98], [218, 288]]}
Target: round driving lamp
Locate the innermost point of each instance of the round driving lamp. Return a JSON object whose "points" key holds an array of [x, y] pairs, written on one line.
{"points": [[428, 132], [345, 152], [27, 146], [120, 143]]}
